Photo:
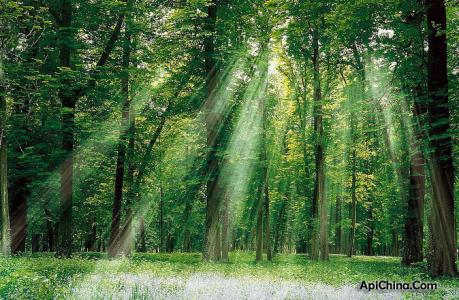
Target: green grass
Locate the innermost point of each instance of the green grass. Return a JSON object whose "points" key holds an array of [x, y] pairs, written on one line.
{"points": [[44, 277]]}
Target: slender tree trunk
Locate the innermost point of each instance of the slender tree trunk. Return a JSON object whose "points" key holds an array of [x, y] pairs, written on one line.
{"points": [[395, 245], [65, 239], [278, 229], [371, 231], [259, 230], [49, 231], [414, 218], [218, 244], [319, 205], [212, 127], [353, 205], [269, 254], [442, 259], [93, 237], [35, 242], [142, 246], [6, 235], [416, 96], [338, 228], [127, 231], [314, 254], [225, 228], [117, 242], [161, 219]]}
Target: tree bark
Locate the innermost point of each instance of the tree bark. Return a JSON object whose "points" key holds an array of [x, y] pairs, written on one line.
{"points": [[35, 242], [338, 228], [212, 125], [117, 242], [6, 234], [259, 230], [353, 205], [161, 219], [414, 217], [69, 97], [64, 241], [319, 205], [49, 231], [269, 254], [142, 245], [442, 259], [371, 231], [225, 228]]}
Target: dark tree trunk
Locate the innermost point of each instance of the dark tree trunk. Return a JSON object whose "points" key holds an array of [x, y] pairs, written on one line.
{"points": [[187, 241], [49, 231], [416, 89], [442, 259], [353, 206], [142, 245], [212, 127], [414, 218], [117, 243], [114, 241], [269, 254], [91, 239], [18, 215], [371, 232], [69, 97], [5, 214], [68, 101], [35, 242], [259, 228], [225, 228], [338, 228], [319, 238], [127, 232], [161, 220], [19, 186], [395, 245]]}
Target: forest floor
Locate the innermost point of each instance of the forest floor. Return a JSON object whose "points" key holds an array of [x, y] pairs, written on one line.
{"points": [[185, 276]]}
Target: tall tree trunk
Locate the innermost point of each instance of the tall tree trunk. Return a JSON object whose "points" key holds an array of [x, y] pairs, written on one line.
{"points": [[142, 244], [35, 242], [371, 231], [93, 236], [225, 228], [278, 228], [49, 231], [353, 206], [319, 206], [64, 241], [127, 230], [259, 228], [442, 259], [6, 235], [212, 126], [161, 219], [269, 254], [117, 242], [394, 243], [414, 217], [338, 230]]}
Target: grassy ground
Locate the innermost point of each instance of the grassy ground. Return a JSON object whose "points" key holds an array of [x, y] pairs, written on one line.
{"points": [[176, 276]]}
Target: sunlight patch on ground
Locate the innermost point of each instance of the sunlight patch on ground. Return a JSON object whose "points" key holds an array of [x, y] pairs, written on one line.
{"points": [[211, 286]]}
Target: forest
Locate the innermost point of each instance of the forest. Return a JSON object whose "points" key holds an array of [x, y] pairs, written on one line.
{"points": [[228, 149]]}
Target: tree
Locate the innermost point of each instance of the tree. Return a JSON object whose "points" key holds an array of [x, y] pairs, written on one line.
{"points": [[119, 242], [69, 95], [6, 243], [212, 126], [442, 259]]}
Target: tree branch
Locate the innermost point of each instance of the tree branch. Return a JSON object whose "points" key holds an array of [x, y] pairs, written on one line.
{"points": [[80, 92]]}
